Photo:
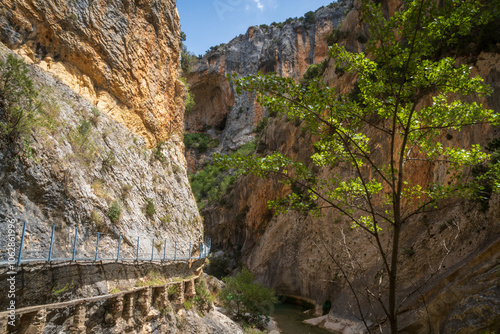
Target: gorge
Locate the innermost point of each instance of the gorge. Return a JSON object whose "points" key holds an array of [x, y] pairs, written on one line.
{"points": [[292, 252], [120, 151]]}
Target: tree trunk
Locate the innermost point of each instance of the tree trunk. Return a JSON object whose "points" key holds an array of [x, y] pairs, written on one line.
{"points": [[393, 318]]}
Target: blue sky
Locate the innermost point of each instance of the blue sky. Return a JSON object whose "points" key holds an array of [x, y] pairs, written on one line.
{"points": [[211, 22]]}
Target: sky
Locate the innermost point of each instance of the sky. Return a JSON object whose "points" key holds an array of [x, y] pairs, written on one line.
{"points": [[212, 22]]}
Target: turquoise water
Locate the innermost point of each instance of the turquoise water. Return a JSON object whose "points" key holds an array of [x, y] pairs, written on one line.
{"points": [[289, 318]]}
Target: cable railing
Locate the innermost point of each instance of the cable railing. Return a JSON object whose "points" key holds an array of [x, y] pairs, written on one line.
{"points": [[87, 250]]}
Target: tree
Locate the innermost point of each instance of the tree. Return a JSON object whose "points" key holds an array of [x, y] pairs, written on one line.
{"points": [[245, 299], [20, 110], [310, 17], [403, 66], [188, 59]]}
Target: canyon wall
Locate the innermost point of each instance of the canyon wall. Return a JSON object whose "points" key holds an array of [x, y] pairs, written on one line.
{"points": [[123, 56], [112, 160], [286, 48], [293, 252]]}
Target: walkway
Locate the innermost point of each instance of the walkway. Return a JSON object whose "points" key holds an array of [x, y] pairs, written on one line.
{"points": [[79, 250]]}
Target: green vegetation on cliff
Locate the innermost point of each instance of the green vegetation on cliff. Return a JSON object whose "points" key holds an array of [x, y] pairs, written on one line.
{"points": [[189, 101], [314, 71], [378, 195], [200, 141], [212, 183], [21, 110]]}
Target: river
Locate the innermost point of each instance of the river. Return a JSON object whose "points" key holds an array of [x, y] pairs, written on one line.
{"points": [[289, 318]]}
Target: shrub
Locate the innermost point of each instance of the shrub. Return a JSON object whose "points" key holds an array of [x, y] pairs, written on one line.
{"points": [[95, 116], [20, 110], [114, 211], [108, 161], [84, 128], [150, 208], [245, 299], [246, 150], [56, 292], [95, 112], [114, 290], [98, 220], [333, 5], [172, 291], [166, 219], [336, 35], [189, 103], [250, 329], [408, 252], [188, 304], [200, 141], [158, 152], [203, 298], [314, 71], [82, 143], [485, 181]]}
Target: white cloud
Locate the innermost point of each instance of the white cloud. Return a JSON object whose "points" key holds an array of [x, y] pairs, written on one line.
{"points": [[259, 4]]}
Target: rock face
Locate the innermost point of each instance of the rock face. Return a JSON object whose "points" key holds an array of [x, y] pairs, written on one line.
{"points": [[287, 49], [293, 253], [87, 164], [121, 55], [107, 74]]}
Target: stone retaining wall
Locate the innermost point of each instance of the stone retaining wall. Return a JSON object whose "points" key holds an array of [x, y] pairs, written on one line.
{"points": [[129, 308]]}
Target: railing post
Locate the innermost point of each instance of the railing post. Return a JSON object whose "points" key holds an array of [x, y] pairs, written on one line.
{"points": [[138, 238], [175, 251], [189, 252], [164, 250], [97, 247], [74, 244], [22, 244], [118, 253], [152, 250], [51, 243], [201, 249]]}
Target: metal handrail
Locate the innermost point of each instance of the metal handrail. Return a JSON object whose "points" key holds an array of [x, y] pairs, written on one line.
{"points": [[25, 255]]}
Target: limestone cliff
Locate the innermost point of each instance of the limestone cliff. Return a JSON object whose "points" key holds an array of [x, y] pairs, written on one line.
{"points": [[287, 49], [84, 166], [121, 55], [107, 73], [292, 252]]}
